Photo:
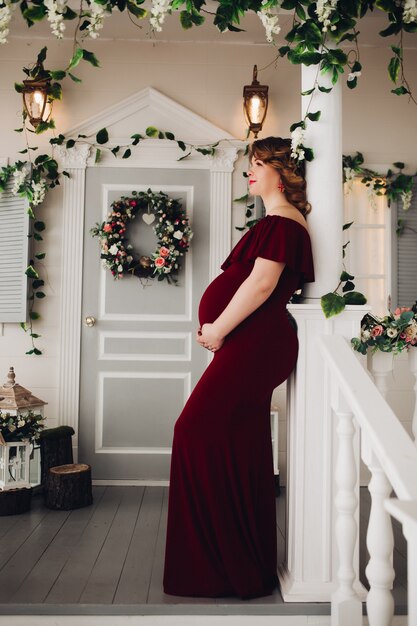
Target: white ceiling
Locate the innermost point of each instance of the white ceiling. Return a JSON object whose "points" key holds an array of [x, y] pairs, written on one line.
{"points": [[120, 27]]}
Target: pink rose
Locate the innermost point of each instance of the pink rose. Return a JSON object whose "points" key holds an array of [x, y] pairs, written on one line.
{"points": [[107, 228], [164, 251], [159, 262], [377, 331], [400, 310]]}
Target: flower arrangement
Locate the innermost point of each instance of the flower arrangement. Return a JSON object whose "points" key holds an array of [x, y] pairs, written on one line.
{"points": [[171, 228], [394, 332], [21, 427]]}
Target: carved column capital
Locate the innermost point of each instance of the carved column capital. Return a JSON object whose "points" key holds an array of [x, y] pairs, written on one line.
{"points": [[224, 158], [74, 158]]}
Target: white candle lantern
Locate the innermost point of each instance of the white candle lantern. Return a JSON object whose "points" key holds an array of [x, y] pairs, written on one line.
{"points": [[14, 465], [15, 402]]}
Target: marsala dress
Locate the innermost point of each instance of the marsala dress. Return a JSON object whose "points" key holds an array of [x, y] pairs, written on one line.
{"points": [[221, 535]]}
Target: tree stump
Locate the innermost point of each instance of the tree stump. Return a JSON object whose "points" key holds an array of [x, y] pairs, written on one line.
{"points": [[55, 448], [68, 487], [15, 501]]}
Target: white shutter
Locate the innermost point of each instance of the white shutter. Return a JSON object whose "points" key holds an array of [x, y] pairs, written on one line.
{"points": [[14, 246], [407, 254]]}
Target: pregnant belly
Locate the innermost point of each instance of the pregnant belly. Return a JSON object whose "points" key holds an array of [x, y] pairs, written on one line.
{"points": [[221, 290]]}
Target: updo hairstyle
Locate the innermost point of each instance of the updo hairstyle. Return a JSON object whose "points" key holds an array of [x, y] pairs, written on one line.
{"points": [[276, 151]]}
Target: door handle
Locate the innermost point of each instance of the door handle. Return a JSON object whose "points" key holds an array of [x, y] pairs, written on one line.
{"points": [[90, 321]]}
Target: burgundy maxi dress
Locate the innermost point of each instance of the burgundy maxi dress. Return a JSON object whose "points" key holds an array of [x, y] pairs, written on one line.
{"points": [[221, 534]]}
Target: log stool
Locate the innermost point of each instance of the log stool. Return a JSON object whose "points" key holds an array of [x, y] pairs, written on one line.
{"points": [[15, 501], [68, 487], [55, 448]]}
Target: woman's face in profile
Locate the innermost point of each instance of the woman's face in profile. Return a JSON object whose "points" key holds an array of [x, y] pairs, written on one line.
{"points": [[263, 178]]}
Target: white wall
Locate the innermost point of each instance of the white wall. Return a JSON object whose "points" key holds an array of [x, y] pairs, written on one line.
{"points": [[208, 79]]}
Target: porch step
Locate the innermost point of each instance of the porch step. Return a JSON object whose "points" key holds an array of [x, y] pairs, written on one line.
{"points": [[179, 620]]}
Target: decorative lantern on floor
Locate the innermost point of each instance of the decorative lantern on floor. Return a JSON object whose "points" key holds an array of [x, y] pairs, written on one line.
{"points": [[21, 417]]}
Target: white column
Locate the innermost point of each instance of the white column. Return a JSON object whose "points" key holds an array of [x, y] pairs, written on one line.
{"points": [[309, 572], [221, 207], [74, 162], [324, 180]]}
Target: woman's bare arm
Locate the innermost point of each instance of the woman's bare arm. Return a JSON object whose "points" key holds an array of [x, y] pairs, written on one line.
{"points": [[253, 292]]}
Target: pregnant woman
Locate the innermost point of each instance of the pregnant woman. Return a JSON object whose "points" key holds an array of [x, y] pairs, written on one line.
{"points": [[221, 534]]}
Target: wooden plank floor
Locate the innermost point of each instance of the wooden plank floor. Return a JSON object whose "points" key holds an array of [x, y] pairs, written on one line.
{"points": [[108, 558]]}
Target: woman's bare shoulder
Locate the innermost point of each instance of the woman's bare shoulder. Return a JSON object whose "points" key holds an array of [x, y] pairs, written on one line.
{"points": [[294, 214]]}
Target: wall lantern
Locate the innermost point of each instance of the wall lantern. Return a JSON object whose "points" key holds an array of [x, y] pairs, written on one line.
{"points": [[255, 103], [35, 98]]}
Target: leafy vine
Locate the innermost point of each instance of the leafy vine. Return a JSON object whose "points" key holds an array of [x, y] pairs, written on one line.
{"points": [[317, 29]]}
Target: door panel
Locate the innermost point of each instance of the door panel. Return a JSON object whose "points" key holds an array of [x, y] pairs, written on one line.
{"points": [[140, 360]]}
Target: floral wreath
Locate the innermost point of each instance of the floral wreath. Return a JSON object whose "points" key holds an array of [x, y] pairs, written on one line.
{"points": [[171, 228]]}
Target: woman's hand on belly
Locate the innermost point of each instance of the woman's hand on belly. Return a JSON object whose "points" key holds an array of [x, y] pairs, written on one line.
{"points": [[208, 337]]}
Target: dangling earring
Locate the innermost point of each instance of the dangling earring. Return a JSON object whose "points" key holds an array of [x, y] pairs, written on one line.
{"points": [[281, 187]]}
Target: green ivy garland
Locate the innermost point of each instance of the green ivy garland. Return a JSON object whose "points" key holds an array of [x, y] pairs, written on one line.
{"points": [[316, 30]]}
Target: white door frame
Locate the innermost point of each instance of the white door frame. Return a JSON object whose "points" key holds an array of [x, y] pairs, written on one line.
{"points": [[151, 153]]}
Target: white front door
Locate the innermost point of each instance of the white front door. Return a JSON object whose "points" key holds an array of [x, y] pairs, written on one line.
{"points": [[140, 361]]}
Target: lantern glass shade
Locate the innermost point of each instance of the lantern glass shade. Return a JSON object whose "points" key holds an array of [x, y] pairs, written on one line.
{"points": [[35, 100], [14, 465], [255, 104]]}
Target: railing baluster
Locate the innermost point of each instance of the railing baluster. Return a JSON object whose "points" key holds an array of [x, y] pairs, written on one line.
{"points": [[412, 360], [410, 534], [406, 512], [381, 368], [346, 607], [380, 544]]}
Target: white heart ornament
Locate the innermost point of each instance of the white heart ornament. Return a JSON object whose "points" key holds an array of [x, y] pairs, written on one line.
{"points": [[148, 218]]}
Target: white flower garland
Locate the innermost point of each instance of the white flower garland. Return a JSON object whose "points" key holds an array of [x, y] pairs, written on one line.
{"points": [[38, 189], [406, 197], [297, 139], [159, 10], [6, 12], [56, 10], [19, 177], [349, 176], [353, 75], [269, 20], [97, 15], [410, 11], [372, 194], [323, 10]]}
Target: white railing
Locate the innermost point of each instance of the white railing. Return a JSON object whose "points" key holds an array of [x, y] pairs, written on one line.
{"points": [[391, 457]]}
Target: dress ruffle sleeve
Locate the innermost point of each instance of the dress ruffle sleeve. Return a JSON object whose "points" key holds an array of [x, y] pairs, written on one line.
{"points": [[277, 238]]}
